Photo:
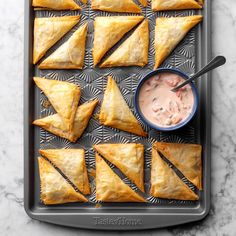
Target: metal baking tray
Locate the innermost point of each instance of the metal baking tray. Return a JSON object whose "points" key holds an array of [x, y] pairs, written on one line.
{"points": [[189, 56]]}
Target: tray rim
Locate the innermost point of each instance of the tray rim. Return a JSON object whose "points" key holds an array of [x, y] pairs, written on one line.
{"points": [[135, 219]]}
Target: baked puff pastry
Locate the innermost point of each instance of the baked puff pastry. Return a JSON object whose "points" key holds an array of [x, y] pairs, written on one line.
{"points": [[109, 186], [169, 32], [129, 158], [54, 188], [116, 6], [70, 55], [63, 96], [55, 124], [56, 4], [133, 51], [72, 164], [108, 31], [186, 157], [116, 113], [165, 183], [48, 31], [165, 5]]}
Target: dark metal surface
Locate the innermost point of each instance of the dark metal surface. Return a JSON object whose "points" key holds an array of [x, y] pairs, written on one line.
{"points": [[155, 214]]}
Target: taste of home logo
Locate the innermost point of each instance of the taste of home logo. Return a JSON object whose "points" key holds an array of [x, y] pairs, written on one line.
{"points": [[117, 221]]}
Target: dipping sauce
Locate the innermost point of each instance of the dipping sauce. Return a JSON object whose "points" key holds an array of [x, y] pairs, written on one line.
{"points": [[160, 105]]}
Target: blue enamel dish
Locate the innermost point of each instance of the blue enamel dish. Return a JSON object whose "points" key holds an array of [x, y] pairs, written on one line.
{"points": [[179, 125]]}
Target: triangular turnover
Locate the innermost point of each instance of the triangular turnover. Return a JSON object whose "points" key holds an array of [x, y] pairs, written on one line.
{"points": [[168, 34], [186, 157], [48, 31], [165, 183], [109, 186], [56, 4], [63, 96], [55, 124], [116, 6], [116, 113], [129, 158], [54, 188], [108, 31], [69, 55], [72, 164], [167, 5], [133, 51]]}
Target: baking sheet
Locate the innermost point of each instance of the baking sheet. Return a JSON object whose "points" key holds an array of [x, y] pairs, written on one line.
{"points": [[192, 52]]}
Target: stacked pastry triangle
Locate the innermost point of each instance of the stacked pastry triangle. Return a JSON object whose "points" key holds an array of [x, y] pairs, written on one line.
{"points": [[129, 158], [55, 189], [70, 120], [63, 96], [132, 52], [56, 4], [186, 157], [169, 32], [163, 5], [116, 113], [117, 5], [48, 31], [165, 183], [69, 55]]}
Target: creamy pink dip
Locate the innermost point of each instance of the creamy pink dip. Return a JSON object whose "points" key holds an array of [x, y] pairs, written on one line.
{"points": [[160, 105]]}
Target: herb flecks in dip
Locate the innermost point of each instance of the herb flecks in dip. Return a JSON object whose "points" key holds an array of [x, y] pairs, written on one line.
{"points": [[160, 105]]}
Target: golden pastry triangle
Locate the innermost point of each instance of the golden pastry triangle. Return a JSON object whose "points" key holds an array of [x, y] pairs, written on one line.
{"points": [[133, 51], [48, 31], [109, 186], [55, 124], [166, 5], [116, 113], [56, 4], [165, 183], [63, 96], [116, 6], [54, 188], [69, 55], [72, 164], [168, 34], [186, 157], [129, 158], [108, 31]]}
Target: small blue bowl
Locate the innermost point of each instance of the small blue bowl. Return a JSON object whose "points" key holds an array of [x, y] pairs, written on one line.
{"points": [[179, 125]]}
